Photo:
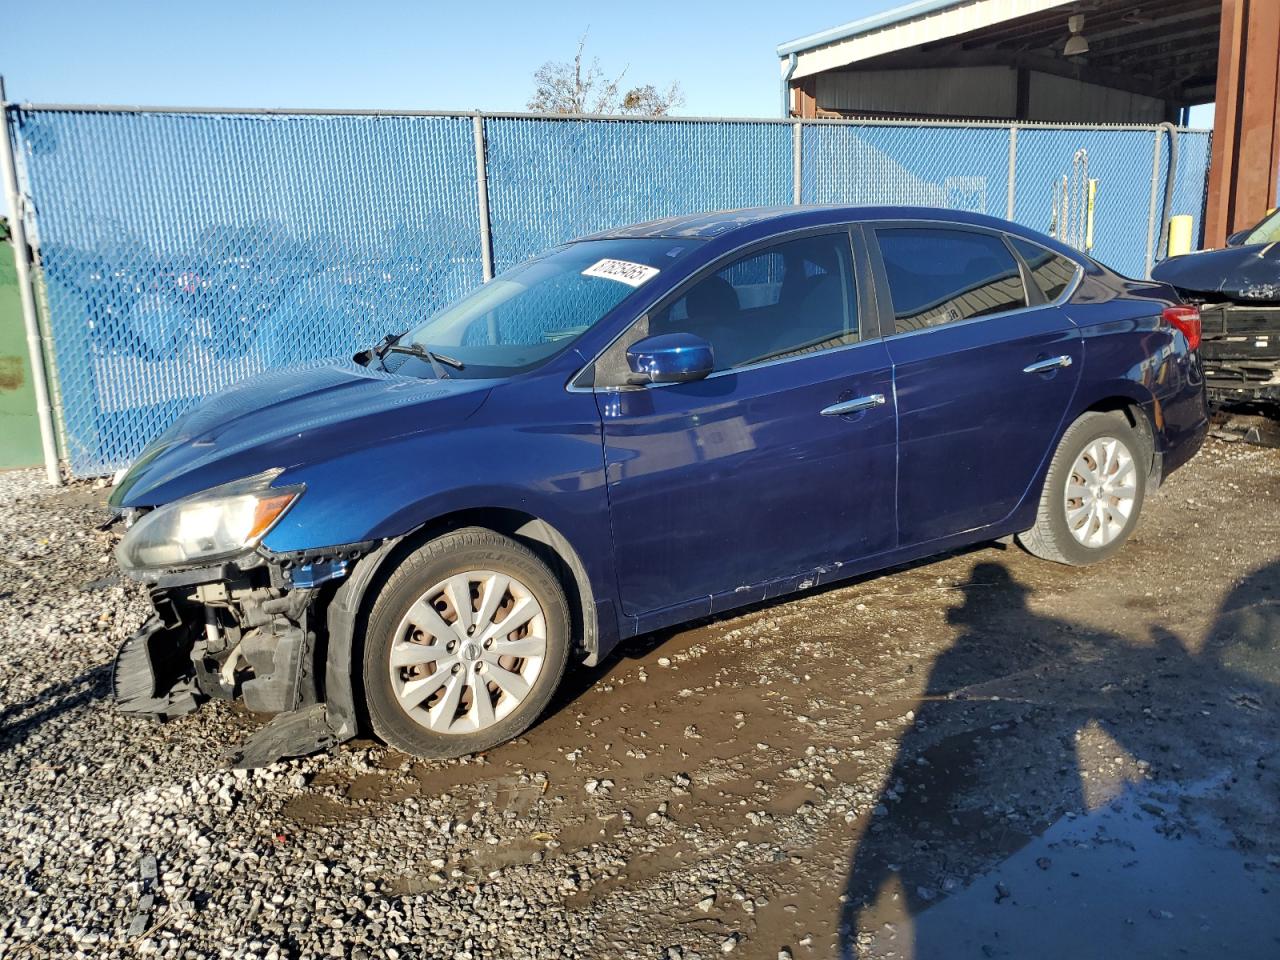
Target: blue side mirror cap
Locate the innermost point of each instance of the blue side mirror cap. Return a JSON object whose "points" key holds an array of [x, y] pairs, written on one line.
{"points": [[669, 358]]}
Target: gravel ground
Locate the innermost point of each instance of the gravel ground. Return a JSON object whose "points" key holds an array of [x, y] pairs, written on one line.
{"points": [[979, 756]]}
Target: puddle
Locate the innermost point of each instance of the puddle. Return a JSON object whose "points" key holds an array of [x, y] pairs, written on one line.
{"points": [[316, 810], [1149, 875]]}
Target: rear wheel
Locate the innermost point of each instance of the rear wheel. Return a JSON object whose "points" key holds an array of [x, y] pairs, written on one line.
{"points": [[1092, 493], [466, 644]]}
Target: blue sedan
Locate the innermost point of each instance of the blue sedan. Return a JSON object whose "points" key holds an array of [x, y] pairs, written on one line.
{"points": [[646, 426]]}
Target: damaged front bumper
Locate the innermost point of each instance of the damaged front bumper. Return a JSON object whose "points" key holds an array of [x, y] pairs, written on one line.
{"points": [[273, 631], [1241, 352]]}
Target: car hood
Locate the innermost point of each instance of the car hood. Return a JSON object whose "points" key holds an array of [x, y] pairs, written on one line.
{"points": [[287, 419], [1249, 273]]}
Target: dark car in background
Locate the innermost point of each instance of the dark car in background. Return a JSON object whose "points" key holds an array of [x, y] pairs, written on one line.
{"points": [[650, 425], [1237, 290]]}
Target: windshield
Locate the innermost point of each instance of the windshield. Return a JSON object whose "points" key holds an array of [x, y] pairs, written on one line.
{"points": [[1268, 231], [526, 315]]}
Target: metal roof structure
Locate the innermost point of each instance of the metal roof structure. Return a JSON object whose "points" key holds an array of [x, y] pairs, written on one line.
{"points": [[904, 26], [1165, 50]]}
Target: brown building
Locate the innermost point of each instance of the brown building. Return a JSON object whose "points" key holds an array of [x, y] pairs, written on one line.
{"points": [[1074, 61]]}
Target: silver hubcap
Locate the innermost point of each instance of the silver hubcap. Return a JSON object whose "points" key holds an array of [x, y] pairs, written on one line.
{"points": [[1101, 492], [468, 652]]}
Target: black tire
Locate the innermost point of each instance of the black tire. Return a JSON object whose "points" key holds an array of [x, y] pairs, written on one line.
{"points": [[1051, 538], [462, 551]]}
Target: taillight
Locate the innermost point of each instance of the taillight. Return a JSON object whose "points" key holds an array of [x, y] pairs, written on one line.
{"points": [[1186, 319]]}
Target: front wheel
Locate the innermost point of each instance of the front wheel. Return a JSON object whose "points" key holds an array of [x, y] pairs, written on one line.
{"points": [[1092, 493], [466, 643]]}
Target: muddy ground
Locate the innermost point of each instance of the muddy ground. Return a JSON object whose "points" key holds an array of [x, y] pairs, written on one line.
{"points": [[980, 756]]}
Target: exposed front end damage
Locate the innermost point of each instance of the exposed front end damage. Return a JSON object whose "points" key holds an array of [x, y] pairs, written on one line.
{"points": [[257, 630], [1238, 292], [1241, 350]]}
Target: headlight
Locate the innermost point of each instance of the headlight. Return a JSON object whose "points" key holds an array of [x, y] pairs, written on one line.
{"points": [[212, 525]]}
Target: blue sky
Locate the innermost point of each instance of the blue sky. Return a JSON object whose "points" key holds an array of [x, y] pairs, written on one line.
{"points": [[397, 54]]}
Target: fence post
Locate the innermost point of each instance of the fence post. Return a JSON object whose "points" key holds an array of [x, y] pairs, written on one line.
{"points": [[797, 165], [1151, 211], [482, 197], [1013, 170], [35, 348]]}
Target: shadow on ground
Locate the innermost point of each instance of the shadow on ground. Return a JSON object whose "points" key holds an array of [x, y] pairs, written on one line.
{"points": [[1027, 721], [17, 720]]}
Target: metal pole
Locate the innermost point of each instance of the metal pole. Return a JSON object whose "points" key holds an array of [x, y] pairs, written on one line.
{"points": [[1151, 211], [1013, 170], [797, 147], [35, 350], [482, 198]]}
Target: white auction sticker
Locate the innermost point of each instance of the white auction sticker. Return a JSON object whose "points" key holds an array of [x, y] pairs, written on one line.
{"points": [[624, 271]]}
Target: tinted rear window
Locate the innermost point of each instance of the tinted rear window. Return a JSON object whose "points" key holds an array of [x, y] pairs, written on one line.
{"points": [[1051, 272], [941, 276]]}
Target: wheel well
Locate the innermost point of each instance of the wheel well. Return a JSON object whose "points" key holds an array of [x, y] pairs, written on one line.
{"points": [[547, 543], [1138, 419]]}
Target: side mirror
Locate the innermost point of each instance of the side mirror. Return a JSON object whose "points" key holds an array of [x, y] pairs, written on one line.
{"points": [[669, 358], [1238, 238]]}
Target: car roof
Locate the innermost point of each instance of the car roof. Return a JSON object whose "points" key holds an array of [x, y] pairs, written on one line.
{"points": [[706, 226]]}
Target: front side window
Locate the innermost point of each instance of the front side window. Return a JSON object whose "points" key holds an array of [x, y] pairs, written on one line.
{"points": [[792, 298], [939, 276], [527, 314], [1050, 271]]}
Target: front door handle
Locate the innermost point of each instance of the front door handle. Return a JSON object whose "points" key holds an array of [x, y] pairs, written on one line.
{"points": [[1044, 366], [853, 406]]}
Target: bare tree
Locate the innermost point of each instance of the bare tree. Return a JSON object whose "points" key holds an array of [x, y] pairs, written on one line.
{"points": [[649, 101], [576, 86]]}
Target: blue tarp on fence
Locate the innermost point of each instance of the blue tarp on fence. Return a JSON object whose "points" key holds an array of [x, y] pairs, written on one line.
{"points": [[181, 251]]}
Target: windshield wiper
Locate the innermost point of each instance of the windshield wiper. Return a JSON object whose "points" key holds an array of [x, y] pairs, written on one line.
{"points": [[425, 353], [386, 343], [379, 350]]}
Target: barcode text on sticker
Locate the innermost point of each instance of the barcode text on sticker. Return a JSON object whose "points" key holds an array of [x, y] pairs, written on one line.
{"points": [[624, 271]]}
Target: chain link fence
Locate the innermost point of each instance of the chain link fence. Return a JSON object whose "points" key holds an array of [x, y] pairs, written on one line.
{"points": [[182, 250]]}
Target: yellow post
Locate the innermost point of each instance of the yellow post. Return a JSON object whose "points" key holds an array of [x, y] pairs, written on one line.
{"points": [[1179, 235], [1088, 226]]}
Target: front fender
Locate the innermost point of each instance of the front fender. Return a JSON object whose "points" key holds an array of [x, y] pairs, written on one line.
{"points": [[341, 621], [389, 492], [533, 453]]}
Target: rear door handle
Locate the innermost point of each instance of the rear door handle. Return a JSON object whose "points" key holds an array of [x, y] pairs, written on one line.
{"points": [[854, 405], [1044, 366]]}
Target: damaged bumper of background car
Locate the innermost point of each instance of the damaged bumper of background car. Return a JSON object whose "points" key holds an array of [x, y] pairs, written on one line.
{"points": [[1241, 352], [273, 630]]}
